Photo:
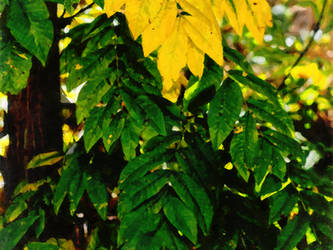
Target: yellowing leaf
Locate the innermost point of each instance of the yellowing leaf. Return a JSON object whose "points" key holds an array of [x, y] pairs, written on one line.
{"points": [[202, 31], [45, 159], [195, 59], [112, 6], [141, 13], [160, 28]]}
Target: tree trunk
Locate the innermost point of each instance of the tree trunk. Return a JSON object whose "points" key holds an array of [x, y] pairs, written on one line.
{"points": [[34, 116]]}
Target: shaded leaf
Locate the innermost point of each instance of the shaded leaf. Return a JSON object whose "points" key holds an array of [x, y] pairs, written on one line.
{"points": [[281, 204], [153, 112], [244, 145], [284, 143], [224, 111], [12, 233], [130, 138], [181, 218], [293, 232], [76, 189], [273, 114], [41, 246], [97, 193]]}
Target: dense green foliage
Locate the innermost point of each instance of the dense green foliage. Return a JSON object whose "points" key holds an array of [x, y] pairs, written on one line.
{"points": [[219, 169]]}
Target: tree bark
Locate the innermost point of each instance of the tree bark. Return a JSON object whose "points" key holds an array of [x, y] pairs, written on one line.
{"points": [[34, 116]]}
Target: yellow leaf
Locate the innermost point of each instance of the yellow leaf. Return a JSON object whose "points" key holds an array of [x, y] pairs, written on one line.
{"points": [[232, 16], [310, 71], [254, 14], [172, 55], [257, 18], [218, 8], [195, 59], [112, 6], [203, 32], [171, 89], [141, 13], [160, 28]]}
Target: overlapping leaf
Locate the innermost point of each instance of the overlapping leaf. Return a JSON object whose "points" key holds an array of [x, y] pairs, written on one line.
{"points": [[146, 192], [244, 146], [29, 24], [224, 111]]}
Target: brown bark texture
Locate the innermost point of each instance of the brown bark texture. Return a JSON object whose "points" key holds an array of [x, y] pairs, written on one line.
{"points": [[34, 116]]}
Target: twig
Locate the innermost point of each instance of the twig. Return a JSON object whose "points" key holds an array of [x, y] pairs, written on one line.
{"points": [[63, 22], [307, 47]]}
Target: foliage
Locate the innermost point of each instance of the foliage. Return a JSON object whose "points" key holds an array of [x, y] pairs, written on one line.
{"points": [[177, 152]]}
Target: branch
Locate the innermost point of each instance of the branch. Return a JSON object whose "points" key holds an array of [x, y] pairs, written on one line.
{"points": [[63, 22], [307, 47]]}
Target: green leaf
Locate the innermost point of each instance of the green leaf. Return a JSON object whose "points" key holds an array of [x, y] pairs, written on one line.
{"points": [[40, 223], [195, 198], [271, 185], [236, 57], [284, 143], [132, 107], [2, 6], [41, 246], [63, 185], [244, 147], [140, 190], [140, 165], [262, 162], [203, 90], [29, 24], [93, 128], [323, 224], [273, 114], [181, 218], [293, 232], [12, 233], [154, 113], [281, 204], [89, 96], [14, 68], [100, 3], [76, 189], [93, 240], [135, 225], [113, 131], [130, 138], [45, 159], [93, 67], [279, 166], [69, 5], [224, 111], [97, 193], [14, 210], [257, 84]]}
